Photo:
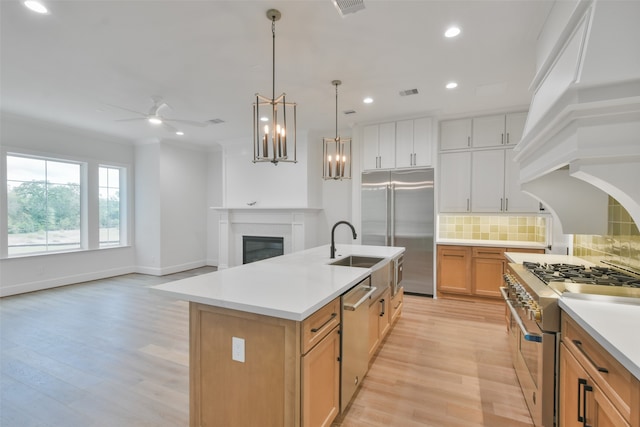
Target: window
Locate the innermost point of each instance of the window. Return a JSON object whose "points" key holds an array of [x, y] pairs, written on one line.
{"points": [[43, 205], [109, 206]]}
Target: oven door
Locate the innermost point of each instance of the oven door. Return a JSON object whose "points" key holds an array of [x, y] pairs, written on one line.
{"points": [[533, 354]]}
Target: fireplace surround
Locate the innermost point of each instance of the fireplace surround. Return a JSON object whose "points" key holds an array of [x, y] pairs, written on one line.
{"points": [[296, 226]]}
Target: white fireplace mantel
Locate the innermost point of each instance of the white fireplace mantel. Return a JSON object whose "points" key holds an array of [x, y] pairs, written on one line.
{"points": [[295, 225]]}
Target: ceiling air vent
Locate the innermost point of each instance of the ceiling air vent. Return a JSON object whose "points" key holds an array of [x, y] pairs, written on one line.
{"points": [[346, 7], [408, 92], [347, 112], [215, 121]]}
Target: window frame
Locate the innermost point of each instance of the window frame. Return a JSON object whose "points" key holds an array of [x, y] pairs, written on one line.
{"points": [[89, 201]]}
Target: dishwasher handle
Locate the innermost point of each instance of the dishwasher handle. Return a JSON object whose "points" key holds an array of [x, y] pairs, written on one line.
{"points": [[353, 307]]}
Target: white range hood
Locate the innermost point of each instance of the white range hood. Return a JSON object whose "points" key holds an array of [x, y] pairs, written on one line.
{"points": [[582, 138]]}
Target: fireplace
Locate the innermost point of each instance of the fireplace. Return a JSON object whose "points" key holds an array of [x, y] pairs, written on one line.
{"points": [[255, 248]]}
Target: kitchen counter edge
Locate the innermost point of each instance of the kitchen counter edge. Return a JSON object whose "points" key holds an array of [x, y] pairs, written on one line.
{"points": [[260, 287], [607, 320], [491, 243]]}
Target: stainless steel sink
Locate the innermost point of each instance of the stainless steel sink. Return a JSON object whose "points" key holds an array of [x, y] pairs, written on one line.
{"points": [[357, 261]]}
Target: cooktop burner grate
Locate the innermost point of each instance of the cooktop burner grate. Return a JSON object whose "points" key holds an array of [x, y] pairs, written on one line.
{"points": [[581, 274]]}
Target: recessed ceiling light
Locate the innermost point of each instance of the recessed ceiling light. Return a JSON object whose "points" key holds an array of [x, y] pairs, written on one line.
{"points": [[155, 120], [180, 133], [451, 85], [36, 6], [367, 100], [452, 32]]}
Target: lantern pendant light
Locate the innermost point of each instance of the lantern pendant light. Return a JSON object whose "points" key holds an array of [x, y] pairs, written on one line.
{"points": [[274, 139], [336, 152]]}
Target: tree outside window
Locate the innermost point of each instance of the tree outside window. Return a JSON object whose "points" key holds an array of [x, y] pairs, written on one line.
{"points": [[43, 205], [109, 206]]}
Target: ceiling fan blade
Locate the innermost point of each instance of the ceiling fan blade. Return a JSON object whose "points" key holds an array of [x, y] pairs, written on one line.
{"points": [[128, 109], [168, 127], [131, 120], [186, 122]]}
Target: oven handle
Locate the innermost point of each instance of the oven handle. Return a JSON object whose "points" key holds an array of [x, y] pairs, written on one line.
{"points": [[528, 336]]}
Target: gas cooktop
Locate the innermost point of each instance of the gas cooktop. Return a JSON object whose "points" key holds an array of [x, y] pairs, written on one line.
{"points": [[571, 273]]}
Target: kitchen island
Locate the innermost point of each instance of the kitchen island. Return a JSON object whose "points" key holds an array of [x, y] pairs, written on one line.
{"points": [[264, 337]]}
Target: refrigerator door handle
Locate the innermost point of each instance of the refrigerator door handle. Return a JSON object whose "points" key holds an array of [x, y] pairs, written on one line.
{"points": [[387, 214], [393, 214]]}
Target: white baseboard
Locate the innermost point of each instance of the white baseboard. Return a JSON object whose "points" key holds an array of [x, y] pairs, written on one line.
{"points": [[63, 281]]}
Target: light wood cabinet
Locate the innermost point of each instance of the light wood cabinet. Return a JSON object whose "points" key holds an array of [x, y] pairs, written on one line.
{"points": [[471, 272], [396, 305], [498, 130], [321, 381], [594, 388], [379, 146], [487, 268], [455, 134], [413, 143], [289, 375], [454, 266]]}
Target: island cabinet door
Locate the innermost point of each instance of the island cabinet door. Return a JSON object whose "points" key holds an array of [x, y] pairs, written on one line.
{"points": [[251, 383], [321, 382]]}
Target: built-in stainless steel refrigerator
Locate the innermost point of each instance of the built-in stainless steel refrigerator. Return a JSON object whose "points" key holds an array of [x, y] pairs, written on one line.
{"points": [[397, 210]]}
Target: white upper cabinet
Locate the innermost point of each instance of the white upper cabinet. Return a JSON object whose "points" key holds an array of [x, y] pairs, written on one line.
{"points": [[387, 146], [515, 127], [515, 200], [413, 143], [498, 130], [379, 146], [494, 184], [455, 182], [370, 136], [487, 181], [455, 134]]}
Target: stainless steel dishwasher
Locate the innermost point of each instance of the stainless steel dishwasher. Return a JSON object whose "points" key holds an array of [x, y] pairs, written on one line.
{"points": [[355, 339]]}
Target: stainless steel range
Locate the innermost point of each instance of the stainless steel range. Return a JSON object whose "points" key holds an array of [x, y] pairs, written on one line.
{"points": [[531, 293]]}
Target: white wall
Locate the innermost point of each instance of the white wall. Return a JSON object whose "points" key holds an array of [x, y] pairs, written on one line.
{"points": [[268, 185], [214, 198], [183, 184], [148, 208], [29, 273]]}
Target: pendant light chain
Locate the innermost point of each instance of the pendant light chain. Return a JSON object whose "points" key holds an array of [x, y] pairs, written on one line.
{"points": [[273, 58], [336, 111]]}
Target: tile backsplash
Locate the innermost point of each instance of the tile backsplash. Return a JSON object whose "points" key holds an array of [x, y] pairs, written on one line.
{"points": [[526, 228], [621, 244]]}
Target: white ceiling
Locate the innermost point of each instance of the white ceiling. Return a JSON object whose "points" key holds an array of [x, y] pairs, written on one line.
{"points": [[207, 59]]}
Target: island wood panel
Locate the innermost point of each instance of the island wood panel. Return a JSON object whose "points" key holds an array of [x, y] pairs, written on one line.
{"points": [[110, 353], [264, 390]]}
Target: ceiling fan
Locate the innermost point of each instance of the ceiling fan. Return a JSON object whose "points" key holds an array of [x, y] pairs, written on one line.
{"points": [[155, 116]]}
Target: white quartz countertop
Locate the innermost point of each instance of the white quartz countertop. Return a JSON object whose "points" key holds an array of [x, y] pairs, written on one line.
{"points": [[519, 258], [611, 322], [291, 286], [491, 243]]}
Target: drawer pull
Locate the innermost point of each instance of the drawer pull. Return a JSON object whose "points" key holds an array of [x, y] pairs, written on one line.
{"points": [[382, 301], [578, 344], [333, 316]]}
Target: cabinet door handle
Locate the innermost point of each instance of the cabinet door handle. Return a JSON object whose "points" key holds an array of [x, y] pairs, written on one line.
{"points": [[507, 137], [333, 316], [502, 138], [585, 388], [501, 205], [578, 344], [467, 204], [468, 141], [581, 413], [382, 301], [506, 204]]}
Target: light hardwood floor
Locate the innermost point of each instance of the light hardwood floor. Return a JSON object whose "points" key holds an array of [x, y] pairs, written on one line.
{"points": [[111, 353]]}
